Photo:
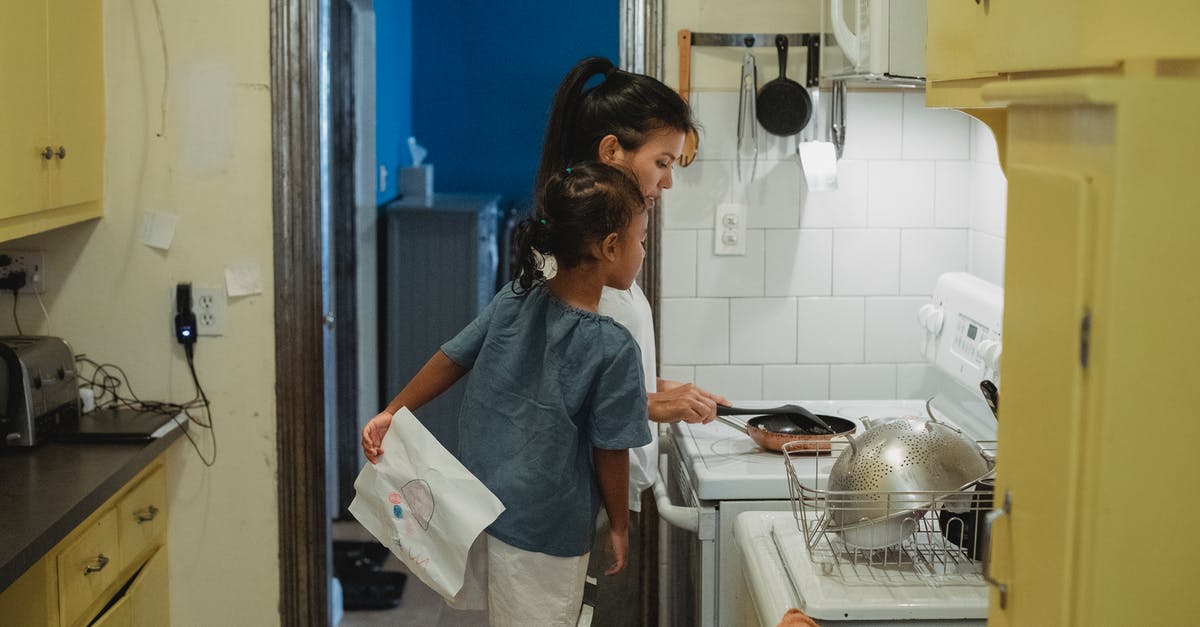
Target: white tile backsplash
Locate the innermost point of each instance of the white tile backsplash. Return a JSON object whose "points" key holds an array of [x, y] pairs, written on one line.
{"points": [[900, 193], [730, 275], [934, 133], [891, 332], [863, 382], [679, 267], [829, 330], [927, 253], [823, 303], [874, 125], [952, 194], [808, 383], [694, 330], [866, 262], [732, 382], [772, 197], [799, 262], [845, 207], [762, 331]]}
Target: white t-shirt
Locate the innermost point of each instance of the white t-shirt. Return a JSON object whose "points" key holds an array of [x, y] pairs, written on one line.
{"points": [[632, 310]]}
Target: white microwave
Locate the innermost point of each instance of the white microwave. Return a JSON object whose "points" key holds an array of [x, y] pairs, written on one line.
{"points": [[874, 41]]}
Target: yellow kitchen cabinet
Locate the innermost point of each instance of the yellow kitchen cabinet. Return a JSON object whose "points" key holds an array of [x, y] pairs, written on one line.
{"points": [[1096, 433], [52, 115], [110, 569]]}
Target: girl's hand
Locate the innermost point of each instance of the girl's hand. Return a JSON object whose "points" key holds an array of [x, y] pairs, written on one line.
{"points": [[372, 435], [618, 546]]}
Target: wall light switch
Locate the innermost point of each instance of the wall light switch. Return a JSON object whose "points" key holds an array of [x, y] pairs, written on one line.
{"points": [[729, 230]]}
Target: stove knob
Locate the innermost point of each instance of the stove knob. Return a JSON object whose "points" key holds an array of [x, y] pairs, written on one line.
{"points": [[989, 353]]}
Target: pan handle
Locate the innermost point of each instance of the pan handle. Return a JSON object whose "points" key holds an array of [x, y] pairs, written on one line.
{"points": [[733, 422]]}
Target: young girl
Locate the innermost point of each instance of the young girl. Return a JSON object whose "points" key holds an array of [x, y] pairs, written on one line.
{"points": [[555, 390]]}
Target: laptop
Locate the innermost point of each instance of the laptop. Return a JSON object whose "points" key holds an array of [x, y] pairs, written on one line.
{"points": [[120, 425]]}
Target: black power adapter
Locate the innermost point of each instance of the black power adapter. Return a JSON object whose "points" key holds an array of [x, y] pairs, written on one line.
{"points": [[185, 318]]}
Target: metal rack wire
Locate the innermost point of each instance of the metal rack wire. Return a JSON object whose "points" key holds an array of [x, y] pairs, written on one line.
{"points": [[934, 531]]}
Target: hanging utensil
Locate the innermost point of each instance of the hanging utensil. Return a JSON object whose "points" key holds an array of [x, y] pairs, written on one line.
{"points": [[783, 105], [747, 92], [992, 395], [817, 155]]}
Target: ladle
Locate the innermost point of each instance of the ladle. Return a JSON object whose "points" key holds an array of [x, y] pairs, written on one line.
{"points": [[789, 410]]}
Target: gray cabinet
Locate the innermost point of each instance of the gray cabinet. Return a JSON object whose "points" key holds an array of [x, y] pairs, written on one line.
{"points": [[439, 263]]}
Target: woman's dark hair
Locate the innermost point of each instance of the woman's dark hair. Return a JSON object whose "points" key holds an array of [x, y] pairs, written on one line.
{"points": [[577, 207], [624, 104]]}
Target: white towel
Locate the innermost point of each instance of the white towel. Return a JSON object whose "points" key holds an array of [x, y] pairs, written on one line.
{"points": [[423, 504]]}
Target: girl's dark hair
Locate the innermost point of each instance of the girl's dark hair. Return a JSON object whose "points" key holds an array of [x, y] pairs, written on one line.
{"points": [[577, 206], [624, 104]]}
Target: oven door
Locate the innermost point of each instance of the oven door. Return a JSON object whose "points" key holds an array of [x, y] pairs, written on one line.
{"points": [[687, 561]]}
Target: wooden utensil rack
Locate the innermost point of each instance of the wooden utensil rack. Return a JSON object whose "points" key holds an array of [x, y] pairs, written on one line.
{"points": [[688, 39]]}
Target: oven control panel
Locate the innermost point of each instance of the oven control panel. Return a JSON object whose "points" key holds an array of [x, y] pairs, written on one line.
{"points": [[963, 327]]}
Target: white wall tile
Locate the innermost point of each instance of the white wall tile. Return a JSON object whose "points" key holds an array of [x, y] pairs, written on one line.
{"points": [[934, 133], [989, 199], [695, 331], [873, 125], [716, 112], [891, 332], [866, 262], [733, 382], [983, 143], [952, 194], [799, 263], [915, 381], [987, 257], [846, 207], [927, 253], [829, 330], [773, 197], [678, 255], [682, 374], [795, 383], [862, 382], [729, 275], [692, 202], [901, 194], [762, 331]]}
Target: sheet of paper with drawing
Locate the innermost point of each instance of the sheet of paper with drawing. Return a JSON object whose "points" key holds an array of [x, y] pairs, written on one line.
{"points": [[421, 503]]}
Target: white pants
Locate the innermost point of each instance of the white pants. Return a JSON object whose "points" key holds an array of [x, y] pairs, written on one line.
{"points": [[520, 588]]}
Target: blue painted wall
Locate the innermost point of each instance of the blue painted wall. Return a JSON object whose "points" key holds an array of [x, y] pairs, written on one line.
{"points": [[481, 75], [393, 90]]}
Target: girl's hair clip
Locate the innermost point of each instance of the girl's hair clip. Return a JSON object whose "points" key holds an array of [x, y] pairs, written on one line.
{"points": [[543, 220], [568, 170]]}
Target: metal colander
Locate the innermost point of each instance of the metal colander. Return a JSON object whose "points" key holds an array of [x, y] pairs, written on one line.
{"points": [[873, 483]]}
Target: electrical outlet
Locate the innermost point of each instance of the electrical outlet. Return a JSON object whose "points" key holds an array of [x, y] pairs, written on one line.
{"points": [[31, 262], [208, 303], [729, 230]]}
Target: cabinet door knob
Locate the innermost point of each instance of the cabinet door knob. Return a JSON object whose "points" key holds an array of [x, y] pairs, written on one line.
{"points": [[48, 153], [61, 153], [146, 515], [96, 566]]}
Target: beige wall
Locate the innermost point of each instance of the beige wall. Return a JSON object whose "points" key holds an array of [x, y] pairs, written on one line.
{"points": [[204, 155]]}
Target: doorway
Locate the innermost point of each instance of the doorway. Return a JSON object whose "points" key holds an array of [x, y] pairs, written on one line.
{"points": [[317, 50]]}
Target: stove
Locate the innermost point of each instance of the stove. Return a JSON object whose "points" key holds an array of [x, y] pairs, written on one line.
{"points": [[720, 475]]}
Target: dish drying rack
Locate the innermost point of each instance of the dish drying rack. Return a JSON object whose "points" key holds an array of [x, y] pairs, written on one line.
{"points": [[926, 555]]}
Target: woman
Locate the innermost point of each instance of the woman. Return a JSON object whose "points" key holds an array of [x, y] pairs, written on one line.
{"points": [[637, 123]]}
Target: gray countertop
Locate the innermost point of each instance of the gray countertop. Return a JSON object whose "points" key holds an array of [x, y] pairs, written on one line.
{"points": [[47, 490]]}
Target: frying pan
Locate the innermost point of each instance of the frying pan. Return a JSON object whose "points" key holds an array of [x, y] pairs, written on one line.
{"points": [[784, 106], [771, 432]]}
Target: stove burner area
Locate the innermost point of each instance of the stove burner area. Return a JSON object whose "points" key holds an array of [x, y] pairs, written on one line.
{"points": [[742, 447], [876, 412]]}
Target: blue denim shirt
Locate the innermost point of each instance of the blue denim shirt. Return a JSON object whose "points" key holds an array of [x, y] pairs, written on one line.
{"points": [[548, 383]]}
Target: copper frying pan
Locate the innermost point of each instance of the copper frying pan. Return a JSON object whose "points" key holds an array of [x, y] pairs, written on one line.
{"points": [[771, 432]]}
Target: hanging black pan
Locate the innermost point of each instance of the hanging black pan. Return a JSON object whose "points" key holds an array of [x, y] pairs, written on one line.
{"points": [[784, 106]]}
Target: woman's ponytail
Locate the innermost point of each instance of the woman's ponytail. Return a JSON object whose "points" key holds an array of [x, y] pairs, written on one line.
{"points": [[564, 114]]}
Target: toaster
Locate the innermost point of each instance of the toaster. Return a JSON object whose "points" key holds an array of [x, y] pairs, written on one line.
{"points": [[38, 392]]}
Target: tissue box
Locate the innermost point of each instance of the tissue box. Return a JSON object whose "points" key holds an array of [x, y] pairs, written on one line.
{"points": [[416, 183]]}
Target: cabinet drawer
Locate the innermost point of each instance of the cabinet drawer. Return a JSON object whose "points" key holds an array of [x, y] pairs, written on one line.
{"points": [[144, 601], [142, 516], [88, 566]]}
